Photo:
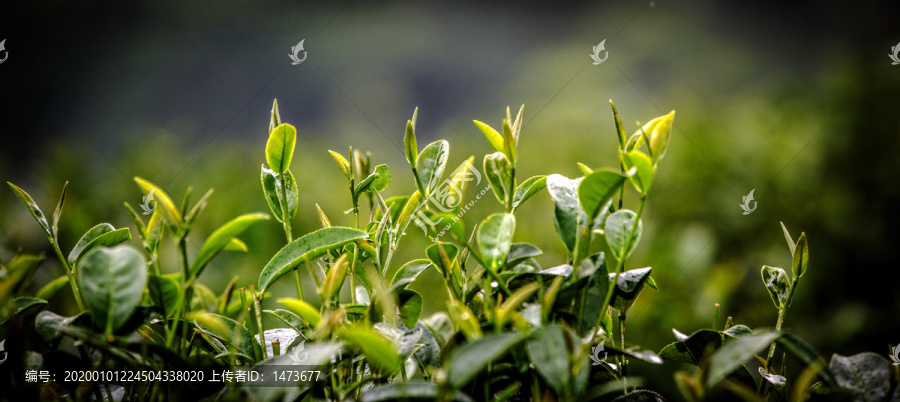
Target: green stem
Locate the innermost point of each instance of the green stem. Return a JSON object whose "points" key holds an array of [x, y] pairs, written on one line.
{"points": [[70, 271], [620, 265], [257, 307], [297, 283], [353, 274], [622, 367]]}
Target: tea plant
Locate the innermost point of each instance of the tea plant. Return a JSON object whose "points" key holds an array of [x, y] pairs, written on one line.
{"points": [[512, 329]]}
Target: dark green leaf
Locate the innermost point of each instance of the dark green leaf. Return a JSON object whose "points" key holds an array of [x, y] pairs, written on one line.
{"points": [[735, 352], [694, 349], [222, 237], [597, 189], [527, 189], [548, 353], [408, 391], [519, 252], [304, 249], [867, 375], [628, 287], [567, 209], [431, 162], [641, 395], [410, 304], [165, 293], [803, 351], [58, 211], [230, 332], [102, 235], [737, 331], [280, 147], [778, 284], [33, 209], [51, 289], [801, 257], [468, 360], [617, 228], [494, 238], [597, 287], [498, 170], [409, 271], [112, 283]]}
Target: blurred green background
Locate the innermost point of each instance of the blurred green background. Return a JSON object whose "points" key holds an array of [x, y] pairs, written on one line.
{"points": [[798, 102]]}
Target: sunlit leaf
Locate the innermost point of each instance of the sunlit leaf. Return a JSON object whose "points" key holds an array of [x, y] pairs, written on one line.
{"points": [[280, 147], [494, 238], [306, 248]]}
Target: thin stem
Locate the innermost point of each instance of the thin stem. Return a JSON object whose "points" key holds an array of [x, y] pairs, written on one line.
{"points": [[257, 307], [622, 367], [70, 271], [297, 283], [353, 274], [620, 265]]}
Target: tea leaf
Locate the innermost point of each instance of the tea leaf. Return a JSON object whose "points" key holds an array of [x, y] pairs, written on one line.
{"points": [[494, 238], [221, 238], [304, 249], [275, 120], [383, 179], [778, 284], [585, 169], [410, 303], [228, 331], [379, 351], [658, 131], [434, 255], [33, 209], [409, 140], [509, 143], [867, 375], [527, 189], [53, 287], [492, 135], [597, 189], [431, 162], [112, 282], [564, 192], [803, 351], [171, 212], [58, 211], [308, 313], [694, 349], [408, 391], [100, 235], [617, 228], [735, 352], [628, 287], [548, 353], [597, 287], [335, 278], [165, 293], [787, 238], [408, 273], [342, 163], [468, 360], [499, 173], [801, 257], [271, 183], [643, 177], [280, 147], [620, 128]]}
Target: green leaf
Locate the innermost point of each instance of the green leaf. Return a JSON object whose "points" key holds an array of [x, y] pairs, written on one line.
{"points": [[787, 238], [734, 353], [342, 163], [778, 284], [597, 189], [409, 140], [331, 286], [408, 391], [434, 255], [410, 303], [867, 375], [527, 189], [305, 249], [380, 352], [494, 238], [51, 289], [275, 121], [644, 171], [409, 271], [519, 252], [170, 211], [658, 131], [803, 351], [102, 235], [492, 135], [509, 143], [280, 147], [628, 287], [801, 257], [307, 312], [548, 353], [567, 209], [597, 287], [271, 184], [217, 241], [617, 227], [737, 331], [468, 360], [383, 179], [33, 209], [694, 349], [165, 293], [585, 169], [112, 283], [289, 318], [499, 173], [228, 331], [431, 162], [58, 211], [620, 128]]}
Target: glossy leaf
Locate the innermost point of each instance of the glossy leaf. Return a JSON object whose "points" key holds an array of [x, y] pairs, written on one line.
{"points": [[492, 135], [494, 238], [778, 284], [431, 162], [434, 255], [271, 184], [468, 360], [307, 312], [617, 228], [658, 131], [564, 192], [165, 293], [644, 171], [331, 286], [597, 189], [219, 239], [628, 287], [170, 211], [597, 287], [548, 353], [801, 257], [498, 171], [275, 120], [409, 140], [306, 248], [527, 189], [734, 353], [408, 273], [341, 162], [112, 282], [509, 143], [86, 238], [280, 147], [410, 304], [379, 351], [693, 349], [33, 209], [776, 380], [867, 375]]}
